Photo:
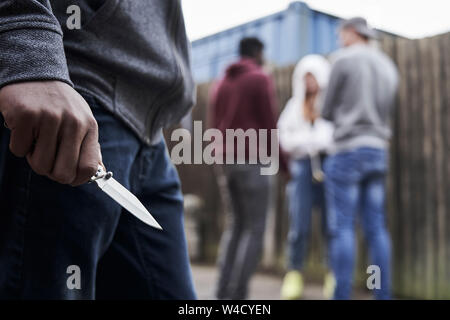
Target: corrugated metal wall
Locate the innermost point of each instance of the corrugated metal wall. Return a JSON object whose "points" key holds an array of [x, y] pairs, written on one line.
{"points": [[288, 36]]}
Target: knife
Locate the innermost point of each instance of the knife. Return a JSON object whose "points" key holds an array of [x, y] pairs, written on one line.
{"points": [[122, 196]]}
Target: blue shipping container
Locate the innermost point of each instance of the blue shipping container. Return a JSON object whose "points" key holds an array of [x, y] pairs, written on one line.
{"points": [[288, 36]]}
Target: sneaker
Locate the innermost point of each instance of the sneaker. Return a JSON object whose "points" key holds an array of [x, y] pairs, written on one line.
{"points": [[292, 288], [329, 285]]}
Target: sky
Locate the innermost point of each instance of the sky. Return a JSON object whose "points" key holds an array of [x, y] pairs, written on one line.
{"points": [[408, 18]]}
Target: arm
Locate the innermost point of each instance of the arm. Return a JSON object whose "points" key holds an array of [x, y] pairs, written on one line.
{"points": [[31, 44], [296, 134], [296, 140], [51, 124], [266, 100], [337, 77]]}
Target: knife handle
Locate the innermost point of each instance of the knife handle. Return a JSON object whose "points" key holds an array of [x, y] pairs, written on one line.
{"points": [[100, 174]]}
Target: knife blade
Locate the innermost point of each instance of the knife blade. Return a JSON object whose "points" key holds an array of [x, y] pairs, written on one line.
{"points": [[123, 196]]}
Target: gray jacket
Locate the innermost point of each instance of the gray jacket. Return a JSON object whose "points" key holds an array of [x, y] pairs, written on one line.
{"points": [[132, 55], [360, 96]]}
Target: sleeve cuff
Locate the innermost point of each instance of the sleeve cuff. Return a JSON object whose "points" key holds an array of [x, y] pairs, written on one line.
{"points": [[32, 55]]}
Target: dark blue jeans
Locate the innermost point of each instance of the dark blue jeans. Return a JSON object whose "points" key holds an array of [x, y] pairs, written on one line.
{"points": [[355, 182], [46, 227], [303, 195]]}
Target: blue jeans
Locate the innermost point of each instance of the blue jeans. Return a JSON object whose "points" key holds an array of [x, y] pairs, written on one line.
{"points": [[355, 182], [46, 227], [303, 194]]}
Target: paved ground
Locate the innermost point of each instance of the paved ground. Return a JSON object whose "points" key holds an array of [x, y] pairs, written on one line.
{"points": [[263, 286]]}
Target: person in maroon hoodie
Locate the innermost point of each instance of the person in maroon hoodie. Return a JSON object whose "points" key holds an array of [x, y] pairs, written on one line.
{"points": [[243, 99]]}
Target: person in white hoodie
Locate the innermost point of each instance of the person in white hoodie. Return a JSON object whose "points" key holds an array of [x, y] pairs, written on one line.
{"points": [[306, 137]]}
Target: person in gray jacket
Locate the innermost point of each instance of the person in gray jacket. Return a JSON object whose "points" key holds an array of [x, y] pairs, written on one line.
{"points": [[358, 101], [84, 83]]}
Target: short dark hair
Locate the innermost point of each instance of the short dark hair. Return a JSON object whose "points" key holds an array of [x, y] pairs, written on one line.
{"points": [[250, 47]]}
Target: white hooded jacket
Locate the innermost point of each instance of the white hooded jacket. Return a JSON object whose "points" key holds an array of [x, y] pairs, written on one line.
{"points": [[298, 137]]}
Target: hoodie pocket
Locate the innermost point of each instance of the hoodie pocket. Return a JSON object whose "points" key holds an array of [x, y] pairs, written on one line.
{"points": [[102, 14]]}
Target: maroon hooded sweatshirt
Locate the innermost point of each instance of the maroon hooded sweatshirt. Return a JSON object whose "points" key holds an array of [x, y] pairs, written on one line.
{"points": [[245, 99]]}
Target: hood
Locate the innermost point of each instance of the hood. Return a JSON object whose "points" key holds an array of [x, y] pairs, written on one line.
{"points": [[318, 66], [244, 65]]}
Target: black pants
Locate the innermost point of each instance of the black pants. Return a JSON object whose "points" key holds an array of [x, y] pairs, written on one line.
{"points": [[246, 193]]}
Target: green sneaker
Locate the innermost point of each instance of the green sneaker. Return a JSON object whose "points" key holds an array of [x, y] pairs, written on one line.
{"points": [[292, 288], [329, 285]]}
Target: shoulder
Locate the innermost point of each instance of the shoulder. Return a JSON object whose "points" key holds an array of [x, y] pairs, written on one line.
{"points": [[342, 58], [258, 79], [387, 60], [389, 68], [341, 55], [258, 75]]}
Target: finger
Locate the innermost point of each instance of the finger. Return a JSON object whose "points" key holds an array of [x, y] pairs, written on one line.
{"points": [[66, 163], [90, 158], [42, 157], [21, 140], [101, 158]]}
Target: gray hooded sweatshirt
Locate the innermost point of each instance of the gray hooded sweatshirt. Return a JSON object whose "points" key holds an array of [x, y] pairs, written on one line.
{"points": [[132, 55], [360, 97]]}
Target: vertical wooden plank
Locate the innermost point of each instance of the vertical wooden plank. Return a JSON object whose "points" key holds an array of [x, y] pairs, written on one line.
{"points": [[417, 132], [202, 181], [439, 174], [397, 233], [415, 168], [445, 120], [446, 134], [395, 190], [402, 239], [388, 45], [429, 153], [282, 82]]}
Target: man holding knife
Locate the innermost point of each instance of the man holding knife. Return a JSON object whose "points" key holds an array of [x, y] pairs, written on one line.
{"points": [[99, 95]]}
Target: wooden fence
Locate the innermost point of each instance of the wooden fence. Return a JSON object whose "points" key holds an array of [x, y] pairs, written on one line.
{"points": [[418, 183], [419, 190]]}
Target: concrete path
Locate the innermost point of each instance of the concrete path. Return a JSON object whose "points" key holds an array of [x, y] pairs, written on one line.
{"points": [[262, 287]]}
